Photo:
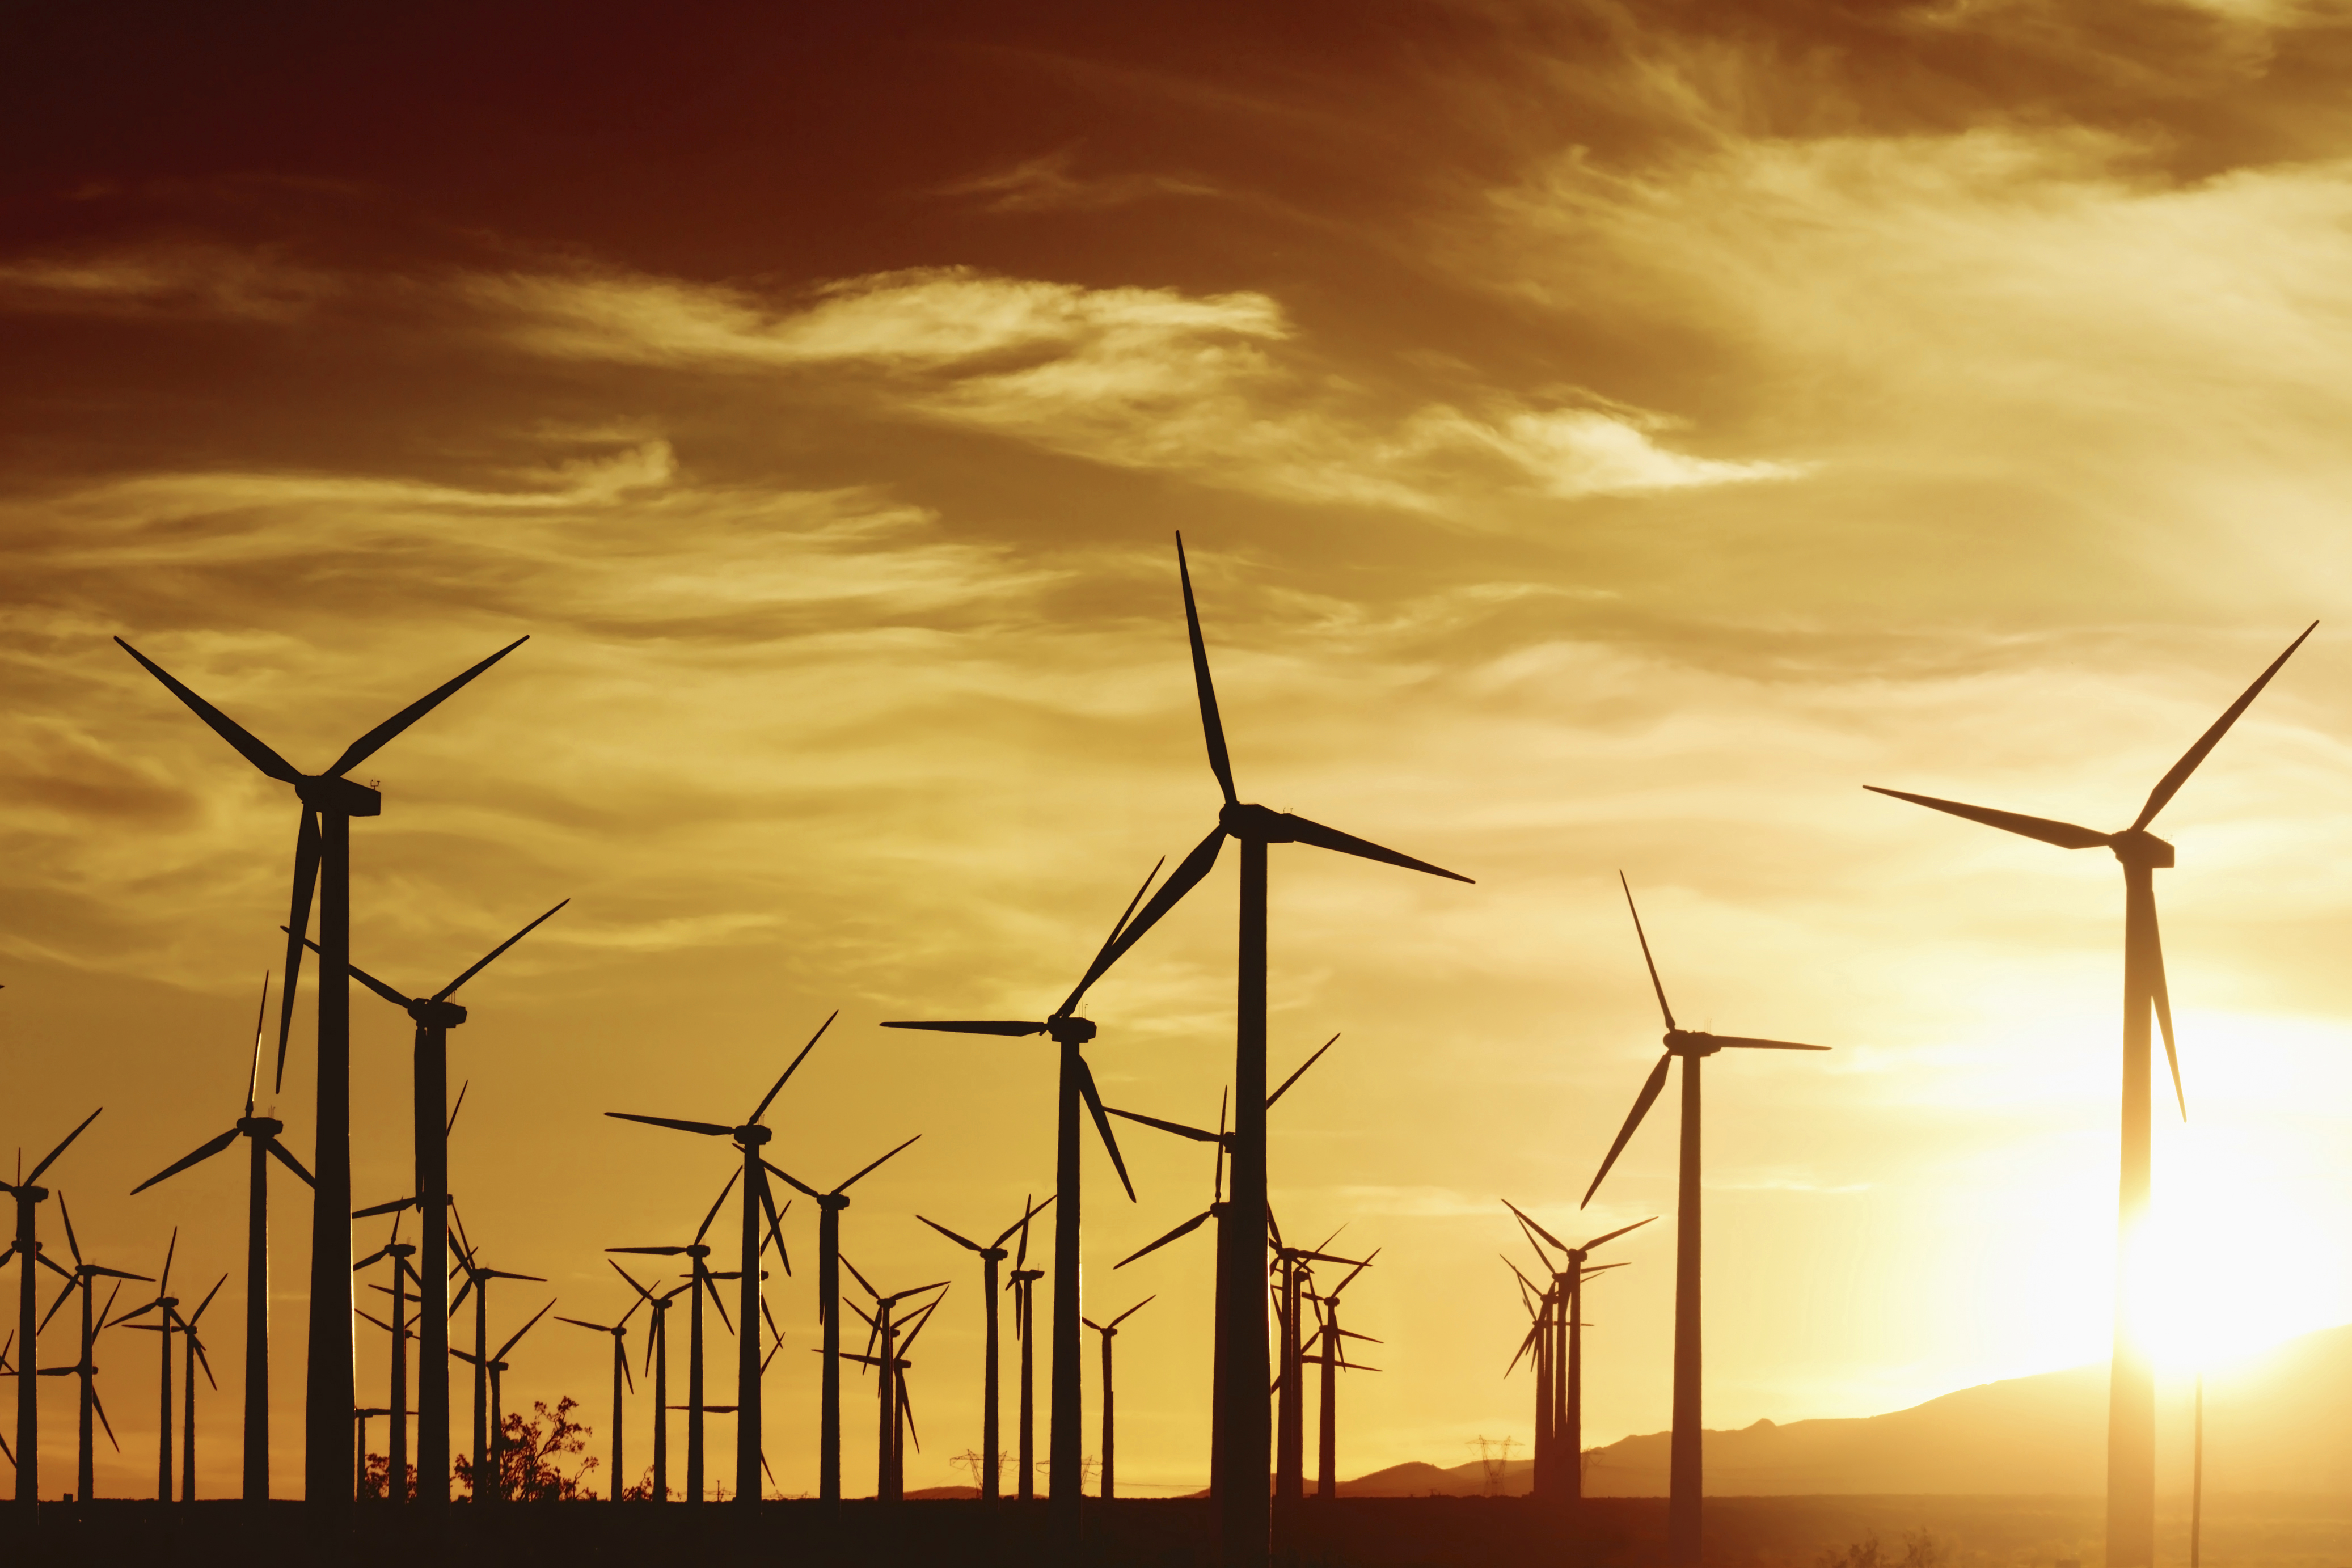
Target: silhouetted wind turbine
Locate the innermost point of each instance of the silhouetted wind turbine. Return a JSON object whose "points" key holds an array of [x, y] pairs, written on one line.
{"points": [[477, 1283], [395, 1476], [1023, 1283], [1291, 1267], [497, 1367], [1077, 1085], [700, 1281], [1692, 1046], [1244, 1505], [166, 1306], [434, 1016], [27, 1249], [85, 1275], [261, 1133], [884, 1353], [749, 1138], [828, 1298], [2131, 1379], [990, 1257], [658, 1363], [402, 1271], [1110, 1331], [191, 1357], [1559, 1444], [323, 858], [1333, 1358], [619, 1331], [1222, 1139]]}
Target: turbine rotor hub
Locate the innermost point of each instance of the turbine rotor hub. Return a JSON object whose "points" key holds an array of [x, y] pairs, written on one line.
{"points": [[1691, 1042], [1255, 823], [430, 1014], [260, 1126], [752, 1134], [1070, 1030], [835, 1201]]}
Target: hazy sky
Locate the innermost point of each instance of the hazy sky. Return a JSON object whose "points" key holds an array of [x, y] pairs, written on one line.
{"points": [[1607, 437]]}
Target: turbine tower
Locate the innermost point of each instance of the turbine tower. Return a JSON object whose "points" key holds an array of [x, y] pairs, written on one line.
{"points": [[2131, 1379]]}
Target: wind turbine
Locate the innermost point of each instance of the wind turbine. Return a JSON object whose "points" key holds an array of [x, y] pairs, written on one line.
{"points": [[990, 1257], [27, 1249], [1070, 1033], [396, 1467], [1692, 1046], [497, 1368], [478, 1284], [434, 1016], [191, 1358], [395, 1487], [323, 860], [1559, 1439], [1110, 1331], [2131, 1378], [166, 1306], [261, 1135], [619, 1330], [1023, 1283], [895, 1418], [758, 1198], [828, 1297], [1333, 1358], [658, 1363], [1292, 1267], [1244, 1506], [700, 1281], [84, 1277], [1217, 1207]]}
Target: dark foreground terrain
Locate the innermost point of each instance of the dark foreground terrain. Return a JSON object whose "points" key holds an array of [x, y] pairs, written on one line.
{"points": [[1352, 1533]]}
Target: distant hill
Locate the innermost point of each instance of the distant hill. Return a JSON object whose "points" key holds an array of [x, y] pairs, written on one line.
{"points": [[2282, 1423]]}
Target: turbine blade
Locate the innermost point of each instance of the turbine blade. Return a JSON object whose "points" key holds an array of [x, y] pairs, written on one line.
{"points": [[775, 1218], [1182, 881], [861, 1175], [795, 1182], [1302, 1069], [362, 976], [769, 1098], [253, 1077], [2066, 835], [1186, 1228], [1028, 1212], [367, 745], [972, 1245], [298, 929], [1307, 832], [708, 1129], [248, 746], [1642, 1103], [448, 990], [394, 1207], [1212, 727], [972, 1026], [375, 1257], [1643, 937], [526, 1328], [53, 1154], [732, 1177], [278, 1151], [1181, 1131], [1531, 1225], [2161, 995], [1102, 1124], [1612, 1236], [203, 1153], [72, 1284], [451, 1124], [1104, 955], [100, 1405], [1742, 1042], [1135, 1309], [2170, 785]]}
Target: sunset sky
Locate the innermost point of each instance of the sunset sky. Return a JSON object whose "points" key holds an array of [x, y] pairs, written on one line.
{"points": [[1607, 437]]}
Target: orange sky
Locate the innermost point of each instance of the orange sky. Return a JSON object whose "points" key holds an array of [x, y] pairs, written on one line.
{"points": [[1607, 437]]}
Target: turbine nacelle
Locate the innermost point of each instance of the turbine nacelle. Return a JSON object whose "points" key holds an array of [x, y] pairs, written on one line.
{"points": [[1691, 1042], [1070, 1030], [328, 793], [2137, 846], [431, 1013], [751, 1135], [260, 1126]]}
